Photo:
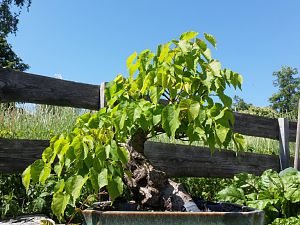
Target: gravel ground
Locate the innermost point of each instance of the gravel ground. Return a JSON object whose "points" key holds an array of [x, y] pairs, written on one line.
{"points": [[26, 220]]}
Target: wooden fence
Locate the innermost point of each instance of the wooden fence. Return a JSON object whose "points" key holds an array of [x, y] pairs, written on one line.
{"points": [[176, 160]]}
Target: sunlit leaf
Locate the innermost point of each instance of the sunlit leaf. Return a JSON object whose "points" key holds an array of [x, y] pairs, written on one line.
{"points": [[74, 185], [170, 120], [188, 35], [59, 204], [26, 176], [130, 59], [102, 178], [210, 39]]}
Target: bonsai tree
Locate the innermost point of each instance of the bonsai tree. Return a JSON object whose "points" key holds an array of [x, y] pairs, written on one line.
{"points": [[177, 91]]}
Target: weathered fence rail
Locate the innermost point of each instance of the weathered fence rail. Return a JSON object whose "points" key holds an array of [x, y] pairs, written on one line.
{"points": [[188, 161], [24, 87], [176, 160], [16, 155]]}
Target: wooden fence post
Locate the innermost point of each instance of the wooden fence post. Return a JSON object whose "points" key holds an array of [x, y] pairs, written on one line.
{"points": [[296, 160], [102, 95], [284, 154]]}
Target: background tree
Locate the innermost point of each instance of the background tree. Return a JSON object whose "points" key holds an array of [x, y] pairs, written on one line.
{"points": [[285, 100], [239, 104], [8, 58], [9, 18]]}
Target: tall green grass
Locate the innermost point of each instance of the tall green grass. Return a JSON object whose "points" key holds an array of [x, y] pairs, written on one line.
{"points": [[28, 121], [253, 144]]}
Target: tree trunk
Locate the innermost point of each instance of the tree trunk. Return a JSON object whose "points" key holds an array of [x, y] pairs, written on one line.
{"points": [[150, 187]]}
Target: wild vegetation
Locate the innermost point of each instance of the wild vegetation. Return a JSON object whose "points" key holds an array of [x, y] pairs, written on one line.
{"points": [[277, 194]]}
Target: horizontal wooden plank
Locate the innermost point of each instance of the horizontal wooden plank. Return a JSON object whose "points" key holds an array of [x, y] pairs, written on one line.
{"points": [[176, 160], [16, 155], [192, 161], [259, 126], [25, 87]]}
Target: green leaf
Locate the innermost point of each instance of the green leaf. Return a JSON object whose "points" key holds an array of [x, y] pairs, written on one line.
{"points": [[84, 118], [103, 178], [207, 54], [47, 154], [202, 45], [157, 115], [130, 59], [184, 104], [236, 80], [60, 185], [74, 185], [222, 133], [26, 176], [227, 101], [88, 144], [170, 120], [232, 194], [216, 67], [59, 204], [261, 203], [115, 187], [63, 151], [239, 141], [210, 39], [58, 168], [216, 109], [188, 35], [164, 52], [94, 121], [38, 204], [286, 221], [113, 150], [194, 110], [133, 68], [165, 80], [184, 45], [154, 94], [36, 169], [45, 173], [93, 175], [123, 155]]}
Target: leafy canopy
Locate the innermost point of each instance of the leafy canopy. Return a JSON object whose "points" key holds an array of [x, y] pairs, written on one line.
{"points": [[9, 15], [9, 18], [179, 90], [8, 58], [286, 99]]}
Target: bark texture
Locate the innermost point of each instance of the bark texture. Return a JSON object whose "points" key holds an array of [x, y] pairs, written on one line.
{"points": [[151, 187]]}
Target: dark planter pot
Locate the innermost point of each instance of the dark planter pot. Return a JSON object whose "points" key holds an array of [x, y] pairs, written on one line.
{"points": [[246, 216]]}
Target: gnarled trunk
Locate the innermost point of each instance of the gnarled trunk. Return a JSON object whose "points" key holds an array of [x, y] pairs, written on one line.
{"points": [[151, 187]]}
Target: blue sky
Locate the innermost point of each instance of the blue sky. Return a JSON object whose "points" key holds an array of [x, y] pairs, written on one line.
{"points": [[89, 41]]}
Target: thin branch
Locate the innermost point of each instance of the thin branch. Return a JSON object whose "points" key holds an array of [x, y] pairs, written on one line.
{"points": [[167, 97]]}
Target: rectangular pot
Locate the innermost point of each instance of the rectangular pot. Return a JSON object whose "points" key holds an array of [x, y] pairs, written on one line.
{"points": [[247, 217]]}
